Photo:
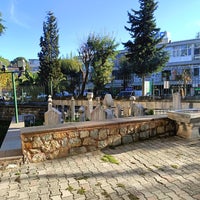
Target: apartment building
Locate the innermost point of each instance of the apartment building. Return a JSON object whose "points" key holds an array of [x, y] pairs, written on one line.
{"points": [[181, 73]]}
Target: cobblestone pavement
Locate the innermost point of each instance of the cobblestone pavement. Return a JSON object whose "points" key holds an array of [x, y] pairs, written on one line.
{"points": [[164, 168]]}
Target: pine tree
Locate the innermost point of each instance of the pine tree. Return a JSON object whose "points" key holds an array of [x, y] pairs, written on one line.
{"points": [[49, 73], [145, 53], [2, 27]]}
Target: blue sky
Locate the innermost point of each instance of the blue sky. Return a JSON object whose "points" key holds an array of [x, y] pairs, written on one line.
{"points": [[78, 18]]}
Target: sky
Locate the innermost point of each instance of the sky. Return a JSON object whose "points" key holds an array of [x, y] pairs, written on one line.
{"points": [[76, 19]]}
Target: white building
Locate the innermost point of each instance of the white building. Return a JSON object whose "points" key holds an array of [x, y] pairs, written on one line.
{"points": [[180, 73], [34, 65]]}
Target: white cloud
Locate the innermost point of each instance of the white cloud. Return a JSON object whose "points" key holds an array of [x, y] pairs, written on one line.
{"points": [[15, 17]]}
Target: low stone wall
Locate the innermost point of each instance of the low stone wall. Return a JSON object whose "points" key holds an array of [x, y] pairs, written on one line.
{"points": [[8, 111], [50, 142]]}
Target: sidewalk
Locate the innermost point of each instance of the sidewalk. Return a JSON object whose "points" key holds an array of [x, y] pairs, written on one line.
{"points": [[164, 168], [11, 146]]}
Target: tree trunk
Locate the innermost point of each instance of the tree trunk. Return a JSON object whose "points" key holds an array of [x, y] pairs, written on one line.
{"points": [[143, 79], [85, 77]]}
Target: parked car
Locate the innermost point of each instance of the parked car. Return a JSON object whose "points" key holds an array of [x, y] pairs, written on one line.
{"points": [[67, 94], [125, 95], [63, 94], [41, 96], [58, 94]]}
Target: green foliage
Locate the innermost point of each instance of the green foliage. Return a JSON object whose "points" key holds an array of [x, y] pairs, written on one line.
{"points": [[5, 61], [175, 166], [6, 79], [2, 27], [70, 67], [110, 158], [104, 54], [121, 185], [23, 79], [145, 53], [132, 197], [81, 191], [70, 188], [14, 62], [49, 71], [98, 52]]}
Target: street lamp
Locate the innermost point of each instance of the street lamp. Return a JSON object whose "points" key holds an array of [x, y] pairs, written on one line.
{"points": [[21, 65]]}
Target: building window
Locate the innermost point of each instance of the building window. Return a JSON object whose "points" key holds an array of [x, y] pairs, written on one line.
{"points": [[183, 50], [196, 71], [197, 51]]}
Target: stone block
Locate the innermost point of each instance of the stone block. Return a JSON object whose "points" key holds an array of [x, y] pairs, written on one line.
{"points": [[117, 140], [89, 141], [127, 139], [94, 133], [136, 136], [160, 130], [28, 145], [53, 155], [102, 144], [123, 131], [73, 134], [144, 135], [46, 147], [59, 135], [47, 137], [55, 145], [64, 142], [102, 134], [130, 130], [113, 131], [37, 142], [144, 127], [75, 142], [77, 150], [84, 134], [39, 157], [63, 152]]}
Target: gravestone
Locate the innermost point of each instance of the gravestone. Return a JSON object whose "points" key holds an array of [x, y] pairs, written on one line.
{"points": [[89, 107], [103, 111], [136, 109], [52, 116]]}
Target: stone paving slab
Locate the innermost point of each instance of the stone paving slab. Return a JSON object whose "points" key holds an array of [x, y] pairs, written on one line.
{"points": [[164, 168]]}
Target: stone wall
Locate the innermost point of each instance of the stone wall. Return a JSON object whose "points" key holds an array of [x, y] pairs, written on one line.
{"points": [[8, 111], [50, 142]]}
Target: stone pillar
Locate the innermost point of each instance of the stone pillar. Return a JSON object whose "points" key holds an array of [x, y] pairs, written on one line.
{"points": [[90, 104], [176, 101], [72, 109], [50, 102], [132, 104], [82, 114]]}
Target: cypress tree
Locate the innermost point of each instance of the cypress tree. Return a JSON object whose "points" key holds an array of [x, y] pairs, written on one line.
{"points": [[49, 72], [145, 53]]}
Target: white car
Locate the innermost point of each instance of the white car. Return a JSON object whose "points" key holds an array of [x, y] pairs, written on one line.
{"points": [[67, 94], [41, 96]]}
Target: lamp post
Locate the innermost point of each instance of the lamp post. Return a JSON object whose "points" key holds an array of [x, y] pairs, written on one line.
{"points": [[21, 65]]}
